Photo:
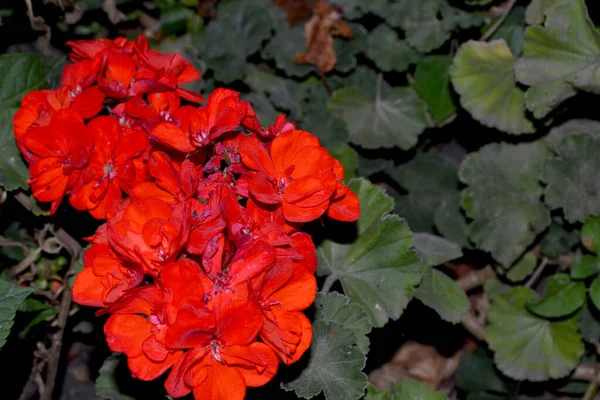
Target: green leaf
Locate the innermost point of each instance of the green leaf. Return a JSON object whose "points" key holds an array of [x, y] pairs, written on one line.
{"points": [[420, 21], [441, 293], [21, 73], [476, 372], [590, 234], [494, 287], [379, 270], [589, 323], [536, 10], [585, 266], [408, 389], [388, 52], [483, 76], [334, 367], [13, 170], [512, 30], [430, 179], [595, 292], [240, 30], [449, 220], [39, 317], [503, 198], [571, 127], [566, 49], [283, 47], [106, 383], [558, 241], [11, 297], [571, 177], [336, 308], [523, 268], [432, 82], [354, 9], [562, 297], [286, 94], [435, 250], [544, 98], [347, 50], [348, 157], [390, 117], [528, 347]]}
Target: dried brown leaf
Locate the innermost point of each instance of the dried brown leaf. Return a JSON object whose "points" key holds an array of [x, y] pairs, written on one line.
{"points": [[418, 361], [325, 23]]}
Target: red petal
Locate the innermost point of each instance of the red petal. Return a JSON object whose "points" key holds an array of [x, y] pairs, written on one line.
{"points": [[345, 209], [172, 135], [125, 333]]}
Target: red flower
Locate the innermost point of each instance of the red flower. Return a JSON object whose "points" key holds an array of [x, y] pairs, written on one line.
{"points": [[61, 151], [282, 293], [159, 72], [104, 278], [297, 174], [115, 165], [149, 232], [159, 108], [223, 363], [198, 127]]}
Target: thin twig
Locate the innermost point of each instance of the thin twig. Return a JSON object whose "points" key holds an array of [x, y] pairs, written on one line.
{"points": [[500, 21], [587, 372], [30, 388], [6, 242], [74, 248], [537, 273], [471, 325], [329, 281], [591, 391], [476, 278]]}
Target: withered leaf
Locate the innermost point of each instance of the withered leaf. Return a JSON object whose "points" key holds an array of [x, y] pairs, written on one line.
{"points": [[325, 23]]}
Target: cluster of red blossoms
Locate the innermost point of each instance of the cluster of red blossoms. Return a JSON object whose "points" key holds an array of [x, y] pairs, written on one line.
{"points": [[201, 263]]}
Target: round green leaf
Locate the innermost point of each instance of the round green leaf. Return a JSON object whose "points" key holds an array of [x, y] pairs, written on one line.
{"points": [[528, 347], [389, 117], [563, 297], [477, 373], [572, 179], [590, 234], [566, 48], [585, 266], [503, 197], [283, 47], [483, 76], [388, 52], [595, 292]]}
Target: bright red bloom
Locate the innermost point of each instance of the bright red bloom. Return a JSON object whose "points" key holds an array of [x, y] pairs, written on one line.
{"points": [[159, 108], [104, 278], [115, 165], [160, 72], [296, 173], [61, 151], [227, 360], [149, 232], [282, 293], [199, 126]]}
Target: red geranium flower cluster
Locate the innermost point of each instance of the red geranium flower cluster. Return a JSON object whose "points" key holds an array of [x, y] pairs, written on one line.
{"points": [[201, 263]]}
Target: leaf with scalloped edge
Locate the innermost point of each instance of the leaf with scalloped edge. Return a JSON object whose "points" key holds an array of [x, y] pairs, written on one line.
{"points": [[388, 117], [388, 52], [571, 176], [483, 76], [566, 48], [379, 269], [503, 198], [335, 365], [562, 297], [528, 347]]}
